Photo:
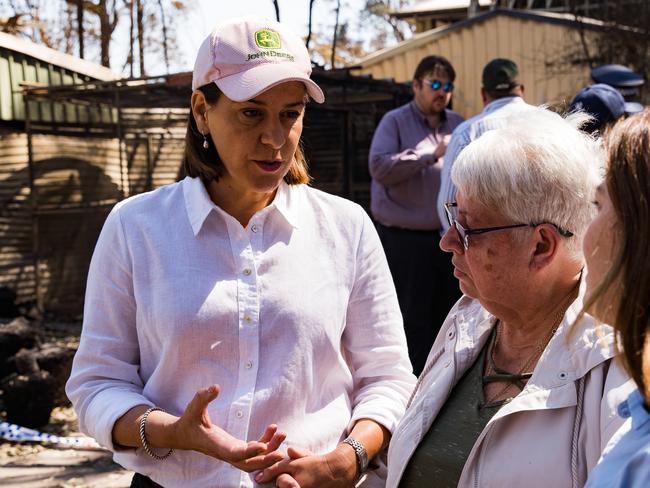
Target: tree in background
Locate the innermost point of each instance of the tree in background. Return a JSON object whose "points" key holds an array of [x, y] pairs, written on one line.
{"points": [[310, 24], [377, 16], [276, 6], [623, 37], [86, 27], [38, 20], [355, 34], [335, 37], [626, 36]]}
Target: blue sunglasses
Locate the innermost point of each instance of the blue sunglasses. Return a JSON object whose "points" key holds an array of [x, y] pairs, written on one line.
{"points": [[437, 84]]}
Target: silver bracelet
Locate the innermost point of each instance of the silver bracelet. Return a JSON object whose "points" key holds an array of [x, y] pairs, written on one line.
{"points": [[360, 452], [143, 438]]}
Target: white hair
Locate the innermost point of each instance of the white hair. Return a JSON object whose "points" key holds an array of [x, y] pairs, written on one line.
{"points": [[538, 168]]}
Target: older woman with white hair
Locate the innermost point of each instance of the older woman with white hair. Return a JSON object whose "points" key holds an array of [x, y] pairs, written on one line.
{"points": [[511, 394]]}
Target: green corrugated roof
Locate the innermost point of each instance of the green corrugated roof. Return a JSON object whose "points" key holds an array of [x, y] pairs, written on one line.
{"points": [[24, 61]]}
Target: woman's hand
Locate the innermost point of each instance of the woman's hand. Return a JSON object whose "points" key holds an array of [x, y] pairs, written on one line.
{"points": [[195, 431], [303, 469]]}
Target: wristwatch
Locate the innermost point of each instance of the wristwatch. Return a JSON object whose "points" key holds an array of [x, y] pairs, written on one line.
{"points": [[360, 451]]}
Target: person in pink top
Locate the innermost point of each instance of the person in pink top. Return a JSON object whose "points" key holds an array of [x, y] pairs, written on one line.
{"points": [[241, 327]]}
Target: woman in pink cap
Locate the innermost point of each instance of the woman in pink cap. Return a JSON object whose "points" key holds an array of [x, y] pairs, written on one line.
{"points": [[240, 303]]}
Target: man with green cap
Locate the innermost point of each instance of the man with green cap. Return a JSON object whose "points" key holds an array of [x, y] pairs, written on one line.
{"points": [[502, 93]]}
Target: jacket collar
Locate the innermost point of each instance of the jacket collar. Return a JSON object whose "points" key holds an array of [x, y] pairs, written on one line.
{"points": [[576, 348], [199, 205], [572, 352]]}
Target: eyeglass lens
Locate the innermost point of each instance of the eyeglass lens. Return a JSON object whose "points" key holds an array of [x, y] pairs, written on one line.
{"points": [[447, 87], [451, 218]]}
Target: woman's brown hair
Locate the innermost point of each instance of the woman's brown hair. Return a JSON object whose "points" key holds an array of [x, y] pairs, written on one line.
{"points": [[628, 185], [206, 164]]}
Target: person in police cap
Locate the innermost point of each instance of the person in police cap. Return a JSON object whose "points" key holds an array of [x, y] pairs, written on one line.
{"points": [[624, 80], [604, 103]]}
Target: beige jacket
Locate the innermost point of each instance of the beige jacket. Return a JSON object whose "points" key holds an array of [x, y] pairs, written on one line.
{"points": [[552, 433]]}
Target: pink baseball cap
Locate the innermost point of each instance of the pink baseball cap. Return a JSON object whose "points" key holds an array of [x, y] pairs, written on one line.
{"points": [[245, 57]]}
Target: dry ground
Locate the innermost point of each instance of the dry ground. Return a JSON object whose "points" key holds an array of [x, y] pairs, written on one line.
{"points": [[35, 466]]}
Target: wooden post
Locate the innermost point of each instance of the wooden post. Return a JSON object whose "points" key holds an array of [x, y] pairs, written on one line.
{"points": [[33, 197]]}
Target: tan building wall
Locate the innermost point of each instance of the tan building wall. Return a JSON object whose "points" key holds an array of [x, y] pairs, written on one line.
{"points": [[541, 50]]}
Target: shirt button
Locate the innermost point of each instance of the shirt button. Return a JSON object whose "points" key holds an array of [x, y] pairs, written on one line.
{"points": [[254, 228], [450, 334], [249, 364], [247, 271], [624, 409], [239, 414], [248, 318]]}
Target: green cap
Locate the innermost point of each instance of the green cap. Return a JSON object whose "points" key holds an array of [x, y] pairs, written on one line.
{"points": [[500, 74]]}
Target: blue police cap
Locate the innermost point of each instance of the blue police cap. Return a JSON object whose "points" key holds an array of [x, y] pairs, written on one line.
{"points": [[616, 75]]}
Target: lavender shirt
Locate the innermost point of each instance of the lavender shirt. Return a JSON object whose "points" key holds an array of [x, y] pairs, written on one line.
{"points": [[405, 175]]}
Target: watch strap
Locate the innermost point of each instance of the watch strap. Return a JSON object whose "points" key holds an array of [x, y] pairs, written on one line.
{"points": [[360, 451]]}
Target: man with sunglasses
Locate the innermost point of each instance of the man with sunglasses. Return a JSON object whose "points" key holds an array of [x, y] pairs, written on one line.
{"points": [[502, 93], [405, 162]]}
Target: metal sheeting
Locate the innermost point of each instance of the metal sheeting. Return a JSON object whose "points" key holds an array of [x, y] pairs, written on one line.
{"points": [[16, 260], [17, 69], [76, 182], [540, 48], [80, 170], [46, 228]]}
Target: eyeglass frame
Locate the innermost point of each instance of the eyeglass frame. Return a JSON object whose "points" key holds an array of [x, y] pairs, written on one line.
{"points": [[464, 233], [447, 87]]}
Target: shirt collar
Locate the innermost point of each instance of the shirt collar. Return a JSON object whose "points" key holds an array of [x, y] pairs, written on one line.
{"points": [[500, 102], [199, 204], [633, 407], [286, 202], [420, 114]]}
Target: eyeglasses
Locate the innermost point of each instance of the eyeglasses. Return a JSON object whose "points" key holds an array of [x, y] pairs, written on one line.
{"points": [[448, 87], [464, 233]]}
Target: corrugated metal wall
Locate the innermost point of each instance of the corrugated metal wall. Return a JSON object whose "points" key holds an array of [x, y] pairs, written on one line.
{"points": [[16, 259], [153, 146], [539, 49], [69, 174], [16, 68], [76, 182]]}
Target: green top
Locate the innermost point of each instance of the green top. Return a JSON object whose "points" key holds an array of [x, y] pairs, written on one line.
{"points": [[439, 459]]}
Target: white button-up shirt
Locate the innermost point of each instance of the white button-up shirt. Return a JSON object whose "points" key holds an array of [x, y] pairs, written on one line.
{"points": [[294, 316]]}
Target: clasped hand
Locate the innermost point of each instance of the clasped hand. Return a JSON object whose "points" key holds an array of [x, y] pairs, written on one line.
{"points": [[302, 469], [195, 431]]}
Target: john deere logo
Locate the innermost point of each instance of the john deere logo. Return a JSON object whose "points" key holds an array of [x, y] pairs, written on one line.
{"points": [[267, 39]]}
